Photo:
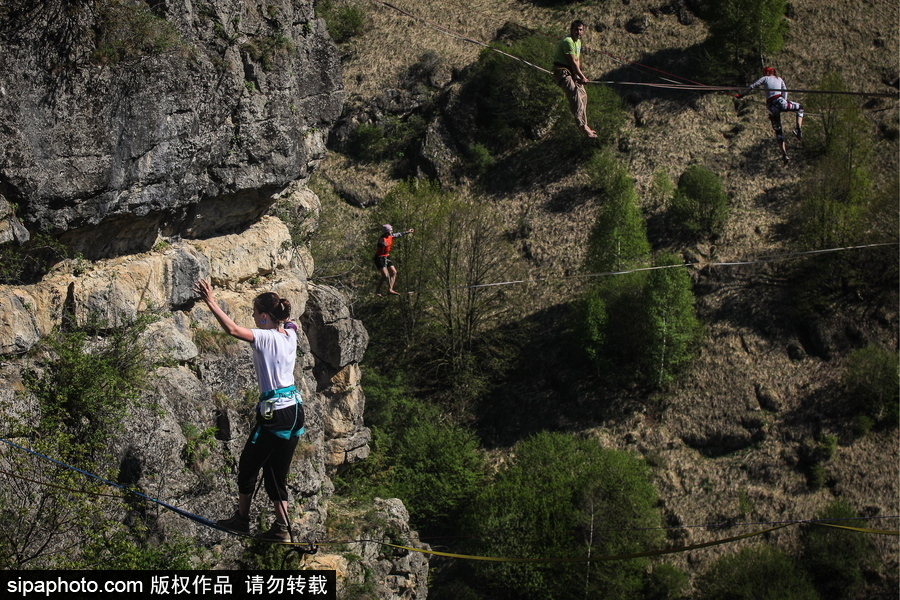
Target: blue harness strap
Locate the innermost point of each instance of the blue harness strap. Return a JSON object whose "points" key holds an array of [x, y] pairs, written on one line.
{"points": [[267, 412]]}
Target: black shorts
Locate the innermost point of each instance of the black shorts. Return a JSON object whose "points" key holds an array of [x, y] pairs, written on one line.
{"points": [[383, 262]]}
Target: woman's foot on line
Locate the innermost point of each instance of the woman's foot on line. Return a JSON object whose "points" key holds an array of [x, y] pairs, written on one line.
{"points": [[278, 532], [235, 523]]}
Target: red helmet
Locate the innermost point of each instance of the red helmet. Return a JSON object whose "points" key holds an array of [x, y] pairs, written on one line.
{"points": [[769, 71]]}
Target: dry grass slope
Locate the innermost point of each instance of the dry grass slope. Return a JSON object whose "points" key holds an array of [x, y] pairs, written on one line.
{"points": [[745, 351]]}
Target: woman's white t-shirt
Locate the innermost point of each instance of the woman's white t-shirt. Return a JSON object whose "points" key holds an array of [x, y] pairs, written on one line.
{"points": [[274, 355]]}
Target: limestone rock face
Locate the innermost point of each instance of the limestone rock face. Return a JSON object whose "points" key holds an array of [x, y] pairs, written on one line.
{"points": [[191, 132], [154, 138], [182, 440]]}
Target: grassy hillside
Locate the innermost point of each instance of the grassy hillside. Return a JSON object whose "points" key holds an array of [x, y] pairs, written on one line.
{"points": [[739, 437]]}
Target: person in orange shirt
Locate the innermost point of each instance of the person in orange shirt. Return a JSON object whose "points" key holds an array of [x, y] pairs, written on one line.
{"points": [[382, 261]]}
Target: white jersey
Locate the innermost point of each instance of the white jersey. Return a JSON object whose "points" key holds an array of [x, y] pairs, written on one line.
{"points": [[773, 85], [274, 355]]}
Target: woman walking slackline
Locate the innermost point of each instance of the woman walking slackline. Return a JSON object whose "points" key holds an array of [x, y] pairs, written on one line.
{"points": [[279, 413]]}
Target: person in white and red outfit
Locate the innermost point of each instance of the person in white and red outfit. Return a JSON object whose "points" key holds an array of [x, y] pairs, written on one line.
{"points": [[777, 102]]}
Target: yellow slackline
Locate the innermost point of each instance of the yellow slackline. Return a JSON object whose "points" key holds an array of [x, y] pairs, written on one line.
{"points": [[312, 546], [860, 529], [606, 558]]}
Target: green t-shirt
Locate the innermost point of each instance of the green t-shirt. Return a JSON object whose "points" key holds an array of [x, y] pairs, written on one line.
{"points": [[565, 47]]}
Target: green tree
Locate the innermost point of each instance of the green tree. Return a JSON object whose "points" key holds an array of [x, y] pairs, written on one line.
{"points": [[835, 558], [439, 467], [419, 455], [672, 328], [565, 497], [757, 573], [841, 205], [642, 320], [700, 204], [839, 193], [458, 250], [744, 31], [618, 242]]}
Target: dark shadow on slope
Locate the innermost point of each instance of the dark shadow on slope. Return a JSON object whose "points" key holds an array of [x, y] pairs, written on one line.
{"points": [[669, 66], [568, 199], [550, 387], [538, 164], [755, 297]]}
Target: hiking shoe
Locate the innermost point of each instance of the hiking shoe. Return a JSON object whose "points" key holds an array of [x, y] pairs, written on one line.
{"points": [[278, 532], [798, 133], [235, 523], [787, 160]]}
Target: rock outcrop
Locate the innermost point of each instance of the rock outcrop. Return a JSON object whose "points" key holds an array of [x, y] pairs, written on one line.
{"points": [[190, 130], [152, 139], [204, 395]]}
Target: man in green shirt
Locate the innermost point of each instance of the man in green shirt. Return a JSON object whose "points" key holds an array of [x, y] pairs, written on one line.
{"points": [[568, 75]]}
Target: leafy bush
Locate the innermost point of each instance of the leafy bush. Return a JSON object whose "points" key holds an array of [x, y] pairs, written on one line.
{"points": [[514, 101], [87, 384], [666, 582], [87, 378], [127, 30], [345, 20], [700, 204], [835, 557], [757, 573], [873, 384], [393, 138], [434, 465], [266, 49], [439, 467], [32, 260], [565, 497], [480, 158]]}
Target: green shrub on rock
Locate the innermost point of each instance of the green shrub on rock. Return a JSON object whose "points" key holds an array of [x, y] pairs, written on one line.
{"points": [[700, 204], [872, 382]]}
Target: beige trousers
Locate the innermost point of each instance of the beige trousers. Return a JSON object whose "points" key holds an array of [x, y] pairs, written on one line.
{"points": [[576, 95]]}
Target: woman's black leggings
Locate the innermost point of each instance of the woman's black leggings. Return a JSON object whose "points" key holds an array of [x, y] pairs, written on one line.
{"points": [[271, 453]]}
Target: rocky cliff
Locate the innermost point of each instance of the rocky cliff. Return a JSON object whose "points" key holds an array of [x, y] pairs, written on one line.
{"points": [[124, 121], [151, 140]]}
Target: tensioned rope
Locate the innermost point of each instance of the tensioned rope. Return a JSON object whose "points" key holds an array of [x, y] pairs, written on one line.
{"points": [[311, 545], [175, 509], [668, 528], [693, 86], [761, 260], [607, 558]]}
